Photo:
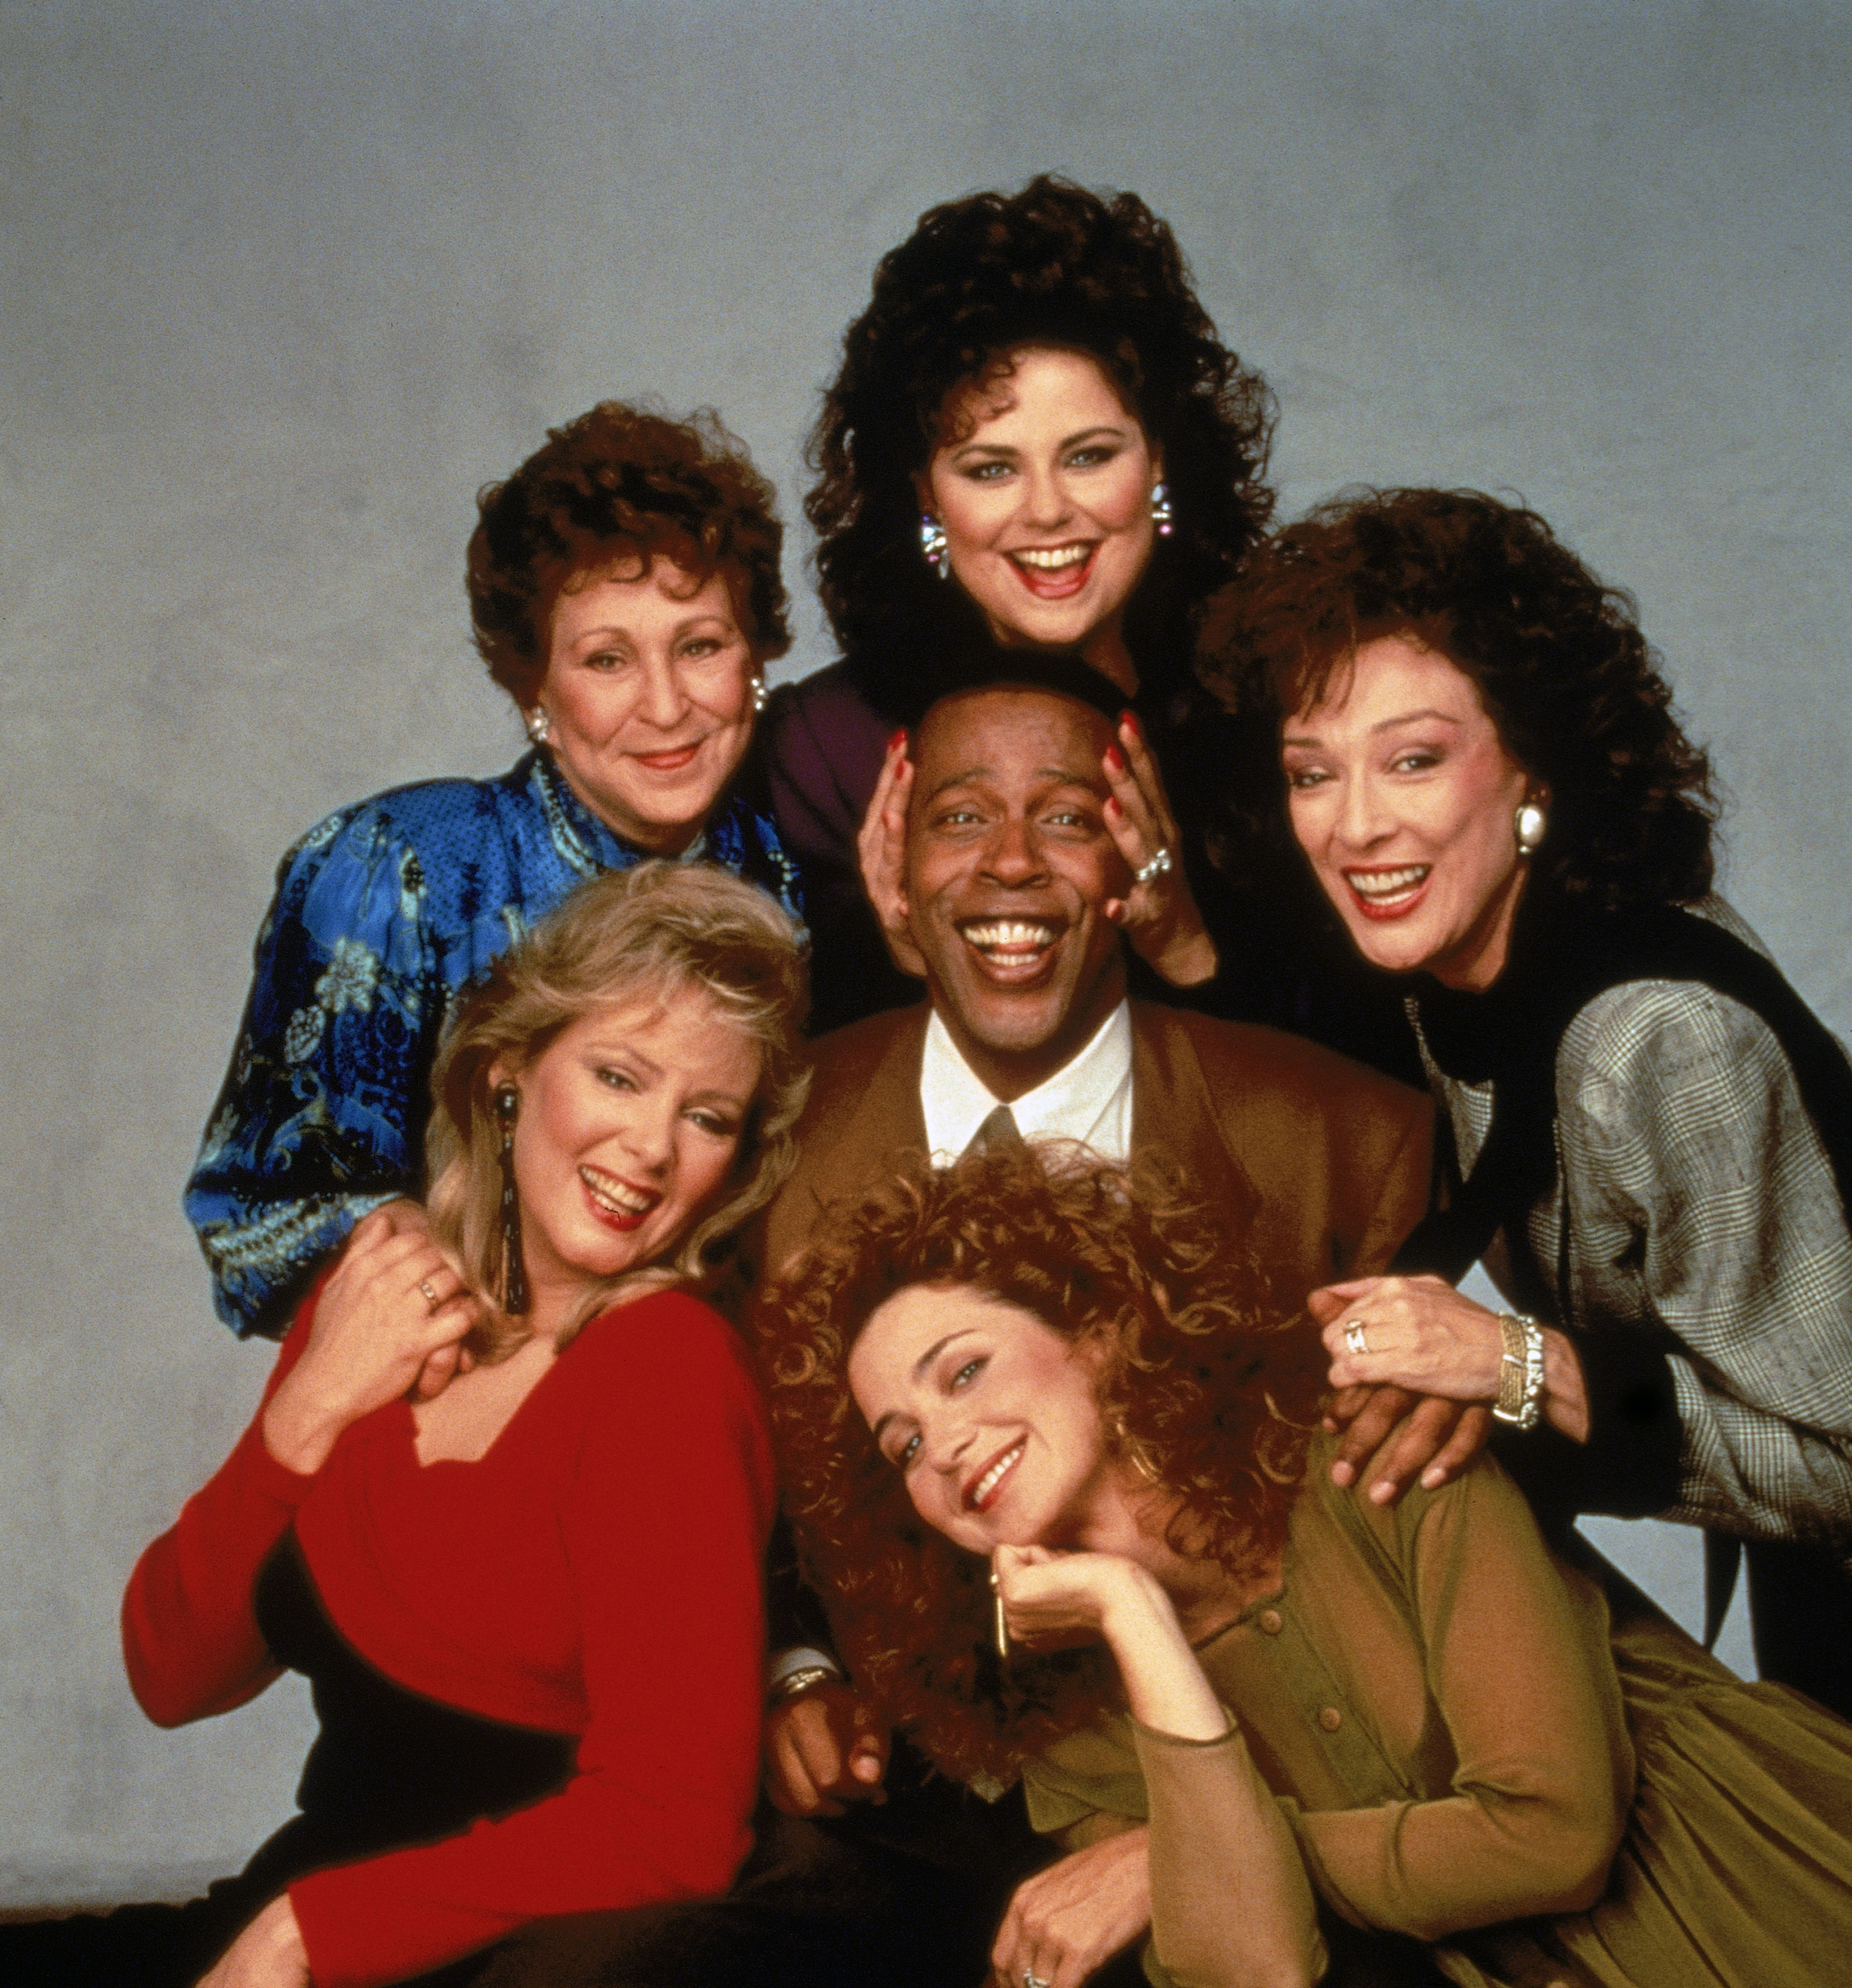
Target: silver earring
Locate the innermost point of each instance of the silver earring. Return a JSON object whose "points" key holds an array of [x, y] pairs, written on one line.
{"points": [[1163, 514], [1530, 822], [937, 553], [759, 694], [539, 727]]}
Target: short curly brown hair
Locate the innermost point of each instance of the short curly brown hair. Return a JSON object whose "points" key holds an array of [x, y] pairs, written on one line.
{"points": [[1202, 1386], [1556, 655], [978, 279], [617, 487]]}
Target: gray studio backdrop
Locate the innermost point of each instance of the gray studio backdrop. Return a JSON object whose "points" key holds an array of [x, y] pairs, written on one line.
{"points": [[284, 283]]}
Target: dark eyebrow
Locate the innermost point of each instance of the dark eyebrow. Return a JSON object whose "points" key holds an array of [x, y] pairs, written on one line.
{"points": [[1389, 725], [1066, 442]]}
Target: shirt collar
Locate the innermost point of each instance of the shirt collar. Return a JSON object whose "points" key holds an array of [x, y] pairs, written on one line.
{"points": [[1087, 1099]]}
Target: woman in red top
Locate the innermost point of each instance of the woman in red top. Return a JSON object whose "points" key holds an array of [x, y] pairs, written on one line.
{"points": [[529, 1607]]}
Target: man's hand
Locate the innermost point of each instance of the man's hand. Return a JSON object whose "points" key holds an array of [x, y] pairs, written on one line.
{"points": [[1408, 1435], [1066, 1922], [822, 1749]]}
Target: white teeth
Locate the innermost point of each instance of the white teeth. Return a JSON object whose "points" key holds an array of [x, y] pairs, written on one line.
{"points": [[993, 1476], [1055, 558], [615, 1196], [1008, 931], [1387, 882]]}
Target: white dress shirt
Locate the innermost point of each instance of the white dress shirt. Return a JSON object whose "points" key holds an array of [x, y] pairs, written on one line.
{"points": [[1089, 1098]]}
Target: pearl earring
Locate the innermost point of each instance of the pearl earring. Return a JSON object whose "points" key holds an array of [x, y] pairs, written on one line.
{"points": [[759, 694], [1163, 513], [1529, 822], [539, 727]]}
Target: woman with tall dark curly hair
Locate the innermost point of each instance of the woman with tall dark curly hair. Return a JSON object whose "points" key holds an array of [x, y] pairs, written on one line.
{"points": [[1037, 440], [625, 592], [1082, 1530], [1482, 767]]}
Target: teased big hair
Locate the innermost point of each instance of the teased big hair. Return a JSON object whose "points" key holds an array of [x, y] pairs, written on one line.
{"points": [[1556, 655], [978, 279], [661, 932], [611, 492], [1207, 1395]]}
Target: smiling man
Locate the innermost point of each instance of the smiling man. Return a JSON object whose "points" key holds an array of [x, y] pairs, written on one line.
{"points": [[1010, 869]]}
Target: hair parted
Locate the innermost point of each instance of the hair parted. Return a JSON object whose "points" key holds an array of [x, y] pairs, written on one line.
{"points": [[979, 279], [618, 488], [1557, 657], [1204, 1390], [660, 932]]}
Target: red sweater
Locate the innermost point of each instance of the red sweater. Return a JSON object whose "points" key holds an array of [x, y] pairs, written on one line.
{"points": [[596, 1573]]}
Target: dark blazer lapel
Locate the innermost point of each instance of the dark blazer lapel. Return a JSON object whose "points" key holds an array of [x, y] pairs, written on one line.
{"points": [[1172, 1109], [863, 1114]]}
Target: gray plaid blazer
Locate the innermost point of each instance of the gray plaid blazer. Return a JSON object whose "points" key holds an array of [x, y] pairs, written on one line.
{"points": [[1699, 1197]]}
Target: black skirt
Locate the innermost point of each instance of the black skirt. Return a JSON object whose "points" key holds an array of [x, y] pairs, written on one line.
{"points": [[388, 1769]]}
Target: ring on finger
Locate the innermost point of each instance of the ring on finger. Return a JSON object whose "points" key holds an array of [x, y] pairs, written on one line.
{"points": [[1031, 1980], [429, 1292], [1160, 863], [1354, 1341]]}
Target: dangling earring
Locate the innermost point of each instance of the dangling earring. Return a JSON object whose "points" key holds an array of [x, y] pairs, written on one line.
{"points": [[1162, 514], [514, 1271], [1529, 822], [540, 726], [759, 694], [937, 552]]}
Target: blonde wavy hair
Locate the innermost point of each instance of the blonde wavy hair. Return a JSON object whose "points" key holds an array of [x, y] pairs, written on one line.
{"points": [[662, 932]]}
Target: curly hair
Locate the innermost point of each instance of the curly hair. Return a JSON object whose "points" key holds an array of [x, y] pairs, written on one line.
{"points": [[978, 279], [660, 931], [1204, 1389], [617, 487], [1557, 657]]}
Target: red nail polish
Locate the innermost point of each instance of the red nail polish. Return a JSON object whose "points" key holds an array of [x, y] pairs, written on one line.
{"points": [[1130, 720], [1116, 759], [897, 739]]}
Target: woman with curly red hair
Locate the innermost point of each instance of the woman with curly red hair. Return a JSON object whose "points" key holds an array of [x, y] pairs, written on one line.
{"points": [[625, 592], [1036, 441], [1652, 1133], [1135, 1585]]}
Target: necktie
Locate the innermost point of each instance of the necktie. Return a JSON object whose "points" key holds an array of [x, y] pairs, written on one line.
{"points": [[998, 1133]]}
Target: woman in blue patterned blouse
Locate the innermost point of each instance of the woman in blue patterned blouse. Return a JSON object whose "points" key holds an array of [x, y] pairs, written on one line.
{"points": [[625, 590]]}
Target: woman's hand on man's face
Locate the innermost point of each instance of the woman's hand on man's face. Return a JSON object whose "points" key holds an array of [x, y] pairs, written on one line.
{"points": [[881, 845], [395, 1303], [1159, 916]]}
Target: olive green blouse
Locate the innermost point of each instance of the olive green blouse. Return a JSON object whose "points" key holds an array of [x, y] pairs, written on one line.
{"points": [[1519, 1761]]}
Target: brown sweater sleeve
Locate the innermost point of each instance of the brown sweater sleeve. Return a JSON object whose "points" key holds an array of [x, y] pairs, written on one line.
{"points": [[1520, 1670], [1204, 1796]]}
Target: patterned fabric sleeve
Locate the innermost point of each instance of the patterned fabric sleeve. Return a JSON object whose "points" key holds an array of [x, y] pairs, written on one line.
{"points": [[1700, 1198], [321, 1118]]}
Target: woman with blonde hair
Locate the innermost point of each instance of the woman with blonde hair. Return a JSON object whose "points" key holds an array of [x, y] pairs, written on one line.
{"points": [[529, 1607]]}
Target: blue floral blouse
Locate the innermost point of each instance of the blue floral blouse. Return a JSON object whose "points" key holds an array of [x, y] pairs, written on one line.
{"points": [[383, 915]]}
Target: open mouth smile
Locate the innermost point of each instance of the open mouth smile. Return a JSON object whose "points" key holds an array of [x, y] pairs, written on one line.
{"points": [[1053, 572], [1011, 948], [982, 1492], [1388, 893], [616, 1203]]}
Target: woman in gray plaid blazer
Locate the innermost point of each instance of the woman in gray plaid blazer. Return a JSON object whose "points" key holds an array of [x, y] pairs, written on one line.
{"points": [[1652, 1134]]}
